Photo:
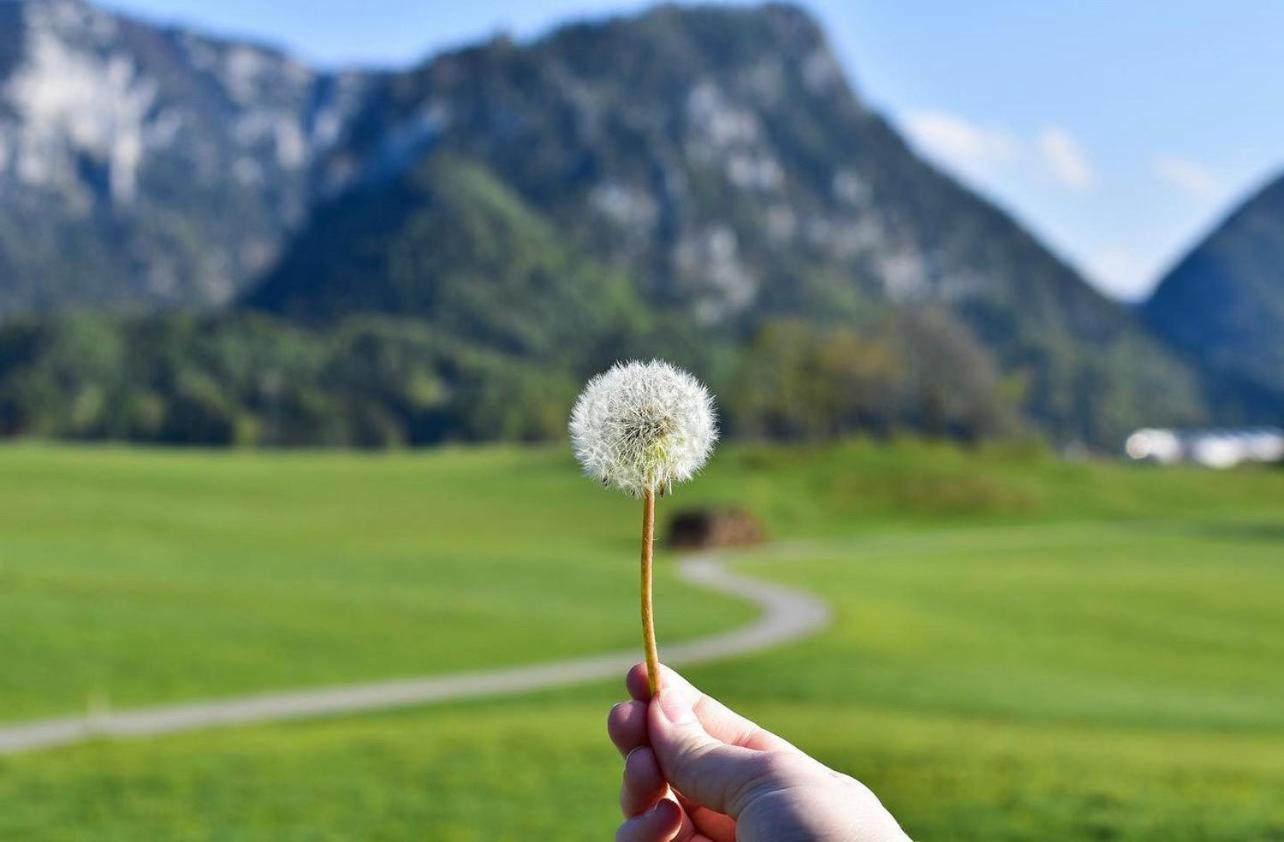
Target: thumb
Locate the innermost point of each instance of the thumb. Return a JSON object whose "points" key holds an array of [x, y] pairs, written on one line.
{"points": [[705, 770]]}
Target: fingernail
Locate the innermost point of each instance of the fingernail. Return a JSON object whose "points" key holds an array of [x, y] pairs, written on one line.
{"points": [[676, 707]]}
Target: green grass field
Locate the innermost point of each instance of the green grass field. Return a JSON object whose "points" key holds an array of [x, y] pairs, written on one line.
{"points": [[1023, 649]]}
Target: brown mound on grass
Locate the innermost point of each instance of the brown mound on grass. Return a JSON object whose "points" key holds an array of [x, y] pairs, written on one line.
{"points": [[693, 529]]}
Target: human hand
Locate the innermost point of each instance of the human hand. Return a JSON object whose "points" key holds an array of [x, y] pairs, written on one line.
{"points": [[696, 771]]}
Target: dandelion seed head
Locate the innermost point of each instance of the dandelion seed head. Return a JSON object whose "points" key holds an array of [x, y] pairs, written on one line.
{"points": [[643, 426]]}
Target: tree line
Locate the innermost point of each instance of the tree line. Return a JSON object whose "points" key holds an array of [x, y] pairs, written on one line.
{"points": [[247, 379]]}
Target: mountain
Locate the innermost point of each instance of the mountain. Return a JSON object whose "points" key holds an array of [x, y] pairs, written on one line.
{"points": [[1222, 306], [683, 182], [143, 166], [718, 158]]}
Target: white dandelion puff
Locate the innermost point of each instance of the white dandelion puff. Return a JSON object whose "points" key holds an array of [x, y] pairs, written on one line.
{"points": [[643, 426]]}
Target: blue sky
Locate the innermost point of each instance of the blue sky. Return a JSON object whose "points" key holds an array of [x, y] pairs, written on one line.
{"points": [[1118, 131]]}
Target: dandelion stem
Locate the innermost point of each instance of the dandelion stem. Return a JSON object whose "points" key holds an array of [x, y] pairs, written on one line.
{"points": [[648, 616]]}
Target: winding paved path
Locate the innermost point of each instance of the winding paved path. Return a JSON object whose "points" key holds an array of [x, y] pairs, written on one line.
{"points": [[786, 615]]}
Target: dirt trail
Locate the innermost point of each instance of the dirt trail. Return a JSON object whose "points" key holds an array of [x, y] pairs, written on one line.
{"points": [[787, 615]]}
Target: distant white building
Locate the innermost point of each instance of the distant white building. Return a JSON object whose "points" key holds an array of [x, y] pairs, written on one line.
{"points": [[1210, 448]]}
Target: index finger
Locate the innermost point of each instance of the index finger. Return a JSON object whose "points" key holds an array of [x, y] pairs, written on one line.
{"points": [[720, 721]]}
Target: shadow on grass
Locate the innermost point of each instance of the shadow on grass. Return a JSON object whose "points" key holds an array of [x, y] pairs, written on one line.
{"points": [[1263, 531]]}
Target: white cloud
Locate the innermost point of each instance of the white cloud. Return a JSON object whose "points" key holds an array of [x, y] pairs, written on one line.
{"points": [[1189, 177], [1065, 158], [1048, 166], [982, 153], [959, 144]]}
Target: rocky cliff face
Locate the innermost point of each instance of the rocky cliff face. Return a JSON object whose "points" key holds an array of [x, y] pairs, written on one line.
{"points": [[142, 166]]}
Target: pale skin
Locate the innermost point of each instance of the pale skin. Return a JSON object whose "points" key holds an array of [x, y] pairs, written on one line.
{"points": [[696, 771]]}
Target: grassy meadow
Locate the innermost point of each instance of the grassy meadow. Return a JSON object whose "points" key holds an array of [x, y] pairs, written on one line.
{"points": [[1023, 648]]}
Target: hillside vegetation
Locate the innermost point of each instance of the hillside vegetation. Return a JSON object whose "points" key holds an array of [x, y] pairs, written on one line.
{"points": [[1222, 306]]}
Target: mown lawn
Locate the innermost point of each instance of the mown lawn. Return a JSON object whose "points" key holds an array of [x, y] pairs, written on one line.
{"points": [[130, 577], [1023, 648]]}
